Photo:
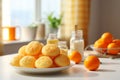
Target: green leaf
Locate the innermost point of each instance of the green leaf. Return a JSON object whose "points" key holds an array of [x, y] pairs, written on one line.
{"points": [[54, 21]]}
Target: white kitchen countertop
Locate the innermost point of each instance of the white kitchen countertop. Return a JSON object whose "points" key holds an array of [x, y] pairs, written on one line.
{"points": [[108, 70]]}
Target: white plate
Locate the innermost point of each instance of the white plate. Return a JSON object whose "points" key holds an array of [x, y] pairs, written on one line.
{"points": [[41, 70]]}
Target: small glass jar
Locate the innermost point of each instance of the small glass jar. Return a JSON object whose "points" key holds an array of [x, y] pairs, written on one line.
{"points": [[52, 39], [77, 42], [63, 47]]}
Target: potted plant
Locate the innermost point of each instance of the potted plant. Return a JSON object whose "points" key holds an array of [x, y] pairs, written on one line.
{"points": [[54, 22]]}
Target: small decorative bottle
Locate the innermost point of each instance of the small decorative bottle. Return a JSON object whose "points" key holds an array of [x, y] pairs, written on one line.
{"points": [[77, 42], [52, 39], [63, 47]]}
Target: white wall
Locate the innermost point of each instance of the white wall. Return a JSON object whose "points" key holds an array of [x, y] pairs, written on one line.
{"points": [[94, 21], [105, 16], [110, 17]]}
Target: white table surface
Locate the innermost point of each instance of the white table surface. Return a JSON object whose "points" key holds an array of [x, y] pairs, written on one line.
{"points": [[108, 70]]}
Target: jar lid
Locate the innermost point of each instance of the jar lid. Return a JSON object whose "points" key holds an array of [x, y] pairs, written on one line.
{"points": [[52, 36], [78, 33]]}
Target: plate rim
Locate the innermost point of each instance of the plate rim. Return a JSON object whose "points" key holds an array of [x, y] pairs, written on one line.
{"points": [[41, 70]]}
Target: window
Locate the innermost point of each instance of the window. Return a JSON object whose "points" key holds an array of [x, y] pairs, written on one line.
{"points": [[18, 12], [24, 12], [48, 6]]}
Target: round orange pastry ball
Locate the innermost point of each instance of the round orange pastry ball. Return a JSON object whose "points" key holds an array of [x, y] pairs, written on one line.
{"points": [[15, 60], [22, 51], [43, 62], [107, 37], [51, 50], [62, 60], [92, 63], [113, 48], [33, 48], [28, 61]]}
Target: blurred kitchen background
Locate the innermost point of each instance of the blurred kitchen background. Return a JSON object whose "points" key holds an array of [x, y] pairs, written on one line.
{"points": [[103, 16]]}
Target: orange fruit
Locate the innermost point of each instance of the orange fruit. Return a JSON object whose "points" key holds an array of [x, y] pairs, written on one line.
{"points": [[97, 42], [100, 46], [113, 48], [117, 41], [107, 37], [75, 56], [92, 63]]}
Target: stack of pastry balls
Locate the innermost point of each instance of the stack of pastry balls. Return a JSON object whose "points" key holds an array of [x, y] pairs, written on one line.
{"points": [[37, 55]]}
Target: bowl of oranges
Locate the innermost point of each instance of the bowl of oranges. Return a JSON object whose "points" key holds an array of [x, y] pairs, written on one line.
{"points": [[107, 45]]}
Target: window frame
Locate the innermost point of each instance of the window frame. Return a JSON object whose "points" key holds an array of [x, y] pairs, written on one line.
{"points": [[37, 9]]}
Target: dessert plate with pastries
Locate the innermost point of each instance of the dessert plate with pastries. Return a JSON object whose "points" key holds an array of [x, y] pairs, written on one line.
{"points": [[36, 57]]}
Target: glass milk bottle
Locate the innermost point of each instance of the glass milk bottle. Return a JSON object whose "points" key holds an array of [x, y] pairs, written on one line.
{"points": [[52, 39], [77, 42], [63, 47]]}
